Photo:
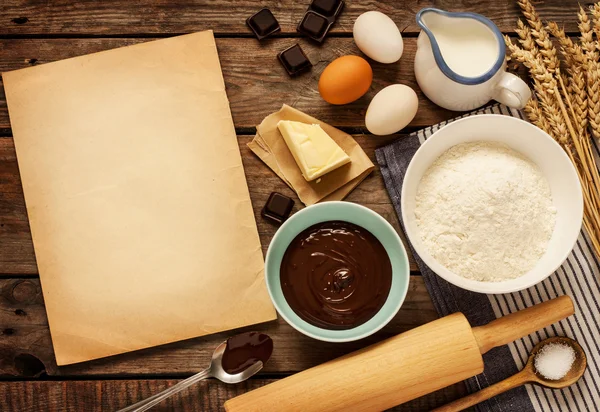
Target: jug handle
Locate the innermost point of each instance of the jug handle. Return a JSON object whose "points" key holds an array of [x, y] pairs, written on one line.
{"points": [[512, 91]]}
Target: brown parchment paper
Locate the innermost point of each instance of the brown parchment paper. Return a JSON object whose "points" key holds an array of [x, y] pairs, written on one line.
{"points": [[138, 205], [270, 147]]}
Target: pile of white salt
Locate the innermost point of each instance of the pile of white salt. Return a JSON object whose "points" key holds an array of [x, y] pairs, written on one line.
{"points": [[554, 360]]}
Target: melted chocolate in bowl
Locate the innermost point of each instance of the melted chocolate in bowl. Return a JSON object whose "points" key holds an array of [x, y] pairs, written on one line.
{"points": [[336, 275], [244, 350]]}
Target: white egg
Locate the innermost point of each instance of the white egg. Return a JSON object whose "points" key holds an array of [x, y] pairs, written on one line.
{"points": [[391, 109], [377, 36]]}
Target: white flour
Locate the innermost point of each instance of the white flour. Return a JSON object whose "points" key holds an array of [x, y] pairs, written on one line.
{"points": [[485, 212]]}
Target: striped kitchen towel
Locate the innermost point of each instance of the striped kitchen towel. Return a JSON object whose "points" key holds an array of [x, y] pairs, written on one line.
{"points": [[578, 277]]}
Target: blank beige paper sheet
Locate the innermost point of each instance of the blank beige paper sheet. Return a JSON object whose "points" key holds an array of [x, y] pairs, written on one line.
{"points": [[138, 205]]}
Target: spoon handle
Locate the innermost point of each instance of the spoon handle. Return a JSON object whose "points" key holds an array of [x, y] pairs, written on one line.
{"points": [[148, 403], [485, 394]]}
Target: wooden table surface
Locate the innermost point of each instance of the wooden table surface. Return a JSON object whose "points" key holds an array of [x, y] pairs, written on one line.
{"points": [[36, 32]]}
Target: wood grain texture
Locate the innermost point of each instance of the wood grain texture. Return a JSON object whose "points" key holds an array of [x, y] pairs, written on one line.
{"points": [[17, 254], [110, 395], [36, 32], [257, 84], [26, 346], [120, 17]]}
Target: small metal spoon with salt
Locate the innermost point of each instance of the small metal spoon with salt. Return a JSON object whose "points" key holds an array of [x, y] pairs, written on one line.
{"points": [[528, 374], [234, 360]]}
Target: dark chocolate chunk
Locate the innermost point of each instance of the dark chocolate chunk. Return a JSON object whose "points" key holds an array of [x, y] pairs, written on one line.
{"points": [[319, 18], [314, 26], [294, 60], [328, 8], [263, 23], [277, 208]]}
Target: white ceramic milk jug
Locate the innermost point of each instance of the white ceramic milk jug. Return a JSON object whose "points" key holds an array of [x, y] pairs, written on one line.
{"points": [[460, 62]]}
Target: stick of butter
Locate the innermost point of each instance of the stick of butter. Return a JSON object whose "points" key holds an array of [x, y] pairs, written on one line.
{"points": [[314, 150]]}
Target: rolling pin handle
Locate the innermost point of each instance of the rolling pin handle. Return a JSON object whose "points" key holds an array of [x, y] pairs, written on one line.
{"points": [[511, 327]]}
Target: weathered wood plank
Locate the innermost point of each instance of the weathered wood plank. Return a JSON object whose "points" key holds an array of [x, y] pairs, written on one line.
{"points": [[120, 17], [26, 347], [256, 82], [110, 395], [16, 251]]}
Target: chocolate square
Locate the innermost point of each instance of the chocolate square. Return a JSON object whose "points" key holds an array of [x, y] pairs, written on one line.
{"points": [[328, 8], [278, 208], [314, 26], [263, 23], [319, 18], [294, 60]]}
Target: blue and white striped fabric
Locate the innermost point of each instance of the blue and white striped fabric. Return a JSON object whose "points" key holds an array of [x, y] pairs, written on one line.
{"points": [[578, 277]]}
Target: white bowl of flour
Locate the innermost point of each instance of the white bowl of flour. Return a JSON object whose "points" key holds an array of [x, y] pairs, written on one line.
{"points": [[492, 204]]}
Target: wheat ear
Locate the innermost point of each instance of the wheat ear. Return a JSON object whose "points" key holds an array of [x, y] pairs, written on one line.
{"points": [[547, 50], [577, 88], [592, 68], [595, 10], [536, 116], [544, 85], [526, 39]]}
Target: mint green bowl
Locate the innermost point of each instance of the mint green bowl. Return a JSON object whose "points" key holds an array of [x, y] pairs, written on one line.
{"points": [[363, 217]]}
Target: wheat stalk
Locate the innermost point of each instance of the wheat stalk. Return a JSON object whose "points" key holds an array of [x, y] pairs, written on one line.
{"points": [[580, 98], [547, 49], [535, 115], [577, 97], [587, 37], [592, 68], [577, 87], [592, 65], [593, 91], [546, 88], [526, 39], [566, 44], [595, 10], [576, 63], [544, 85], [566, 103]]}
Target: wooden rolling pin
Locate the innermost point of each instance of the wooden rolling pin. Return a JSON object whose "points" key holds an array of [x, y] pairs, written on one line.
{"points": [[401, 368]]}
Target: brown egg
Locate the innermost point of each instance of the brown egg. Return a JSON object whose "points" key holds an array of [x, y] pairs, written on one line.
{"points": [[345, 80]]}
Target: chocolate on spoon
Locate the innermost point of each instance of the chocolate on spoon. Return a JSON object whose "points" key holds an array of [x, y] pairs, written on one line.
{"points": [[234, 360], [244, 350]]}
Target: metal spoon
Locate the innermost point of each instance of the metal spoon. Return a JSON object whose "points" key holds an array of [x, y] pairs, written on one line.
{"points": [[528, 375], [215, 370]]}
